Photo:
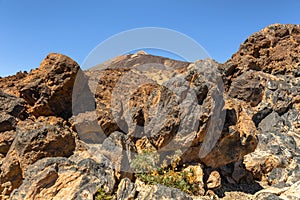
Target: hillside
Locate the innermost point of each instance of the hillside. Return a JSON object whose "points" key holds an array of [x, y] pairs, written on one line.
{"points": [[146, 127]]}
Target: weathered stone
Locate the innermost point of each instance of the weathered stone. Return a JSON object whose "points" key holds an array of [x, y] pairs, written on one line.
{"points": [[267, 196], [126, 190], [48, 89], [6, 139], [289, 192], [12, 106], [10, 84], [198, 178], [144, 144], [292, 192], [267, 51], [7, 122], [34, 141], [247, 88], [276, 158], [120, 151], [87, 125], [12, 110], [42, 139], [214, 180], [238, 137], [149, 103], [60, 178], [172, 104], [158, 191]]}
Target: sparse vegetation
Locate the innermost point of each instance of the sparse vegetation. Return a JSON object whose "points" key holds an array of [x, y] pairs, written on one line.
{"points": [[102, 195], [145, 166]]}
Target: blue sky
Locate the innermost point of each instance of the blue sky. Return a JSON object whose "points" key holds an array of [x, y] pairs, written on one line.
{"points": [[30, 29]]}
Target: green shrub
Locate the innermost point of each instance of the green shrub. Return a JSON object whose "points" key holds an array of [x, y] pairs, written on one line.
{"points": [[146, 169], [145, 162], [177, 179], [102, 195]]}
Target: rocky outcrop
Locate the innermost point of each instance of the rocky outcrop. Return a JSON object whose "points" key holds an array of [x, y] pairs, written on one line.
{"points": [[10, 84], [48, 89], [229, 130], [25, 135], [34, 141], [175, 105], [12, 110], [273, 50], [83, 179], [264, 74], [139, 190]]}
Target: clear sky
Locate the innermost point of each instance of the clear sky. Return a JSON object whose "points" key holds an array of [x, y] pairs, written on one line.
{"points": [[30, 29]]}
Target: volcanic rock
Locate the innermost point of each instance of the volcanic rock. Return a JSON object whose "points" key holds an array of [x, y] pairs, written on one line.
{"points": [[34, 141], [60, 178], [171, 103], [236, 125], [12, 110], [48, 89], [264, 74]]}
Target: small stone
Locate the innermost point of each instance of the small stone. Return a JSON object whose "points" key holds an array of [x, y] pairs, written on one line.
{"points": [[214, 180], [272, 85]]}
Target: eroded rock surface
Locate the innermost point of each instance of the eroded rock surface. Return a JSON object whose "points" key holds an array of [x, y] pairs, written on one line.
{"points": [[48, 89], [12, 110], [65, 179], [34, 141], [236, 124], [34, 109], [175, 105], [264, 74]]}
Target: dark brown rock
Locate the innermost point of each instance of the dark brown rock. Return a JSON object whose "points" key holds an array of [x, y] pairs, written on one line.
{"points": [[10, 84], [12, 110], [48, 89], [12, 106], [264, 75], [6, 139], [273, 50]]}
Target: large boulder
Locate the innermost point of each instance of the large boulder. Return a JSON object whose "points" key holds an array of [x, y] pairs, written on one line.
{"points": [[62, 178], [34, 141], [48, 89], [273, 50]]}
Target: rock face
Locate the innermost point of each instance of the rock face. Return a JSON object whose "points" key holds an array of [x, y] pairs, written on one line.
{"points": [[34, 141], [48, 89], [12, 110], [233, 127], [174, 105], [25, 135], [82, 178], [264, 74], [129, 190], [273, 50]]}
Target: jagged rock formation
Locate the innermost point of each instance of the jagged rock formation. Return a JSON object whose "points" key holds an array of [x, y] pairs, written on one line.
{"points": [[235, 124], [46, 90], [171, 103], [265, 74]]}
